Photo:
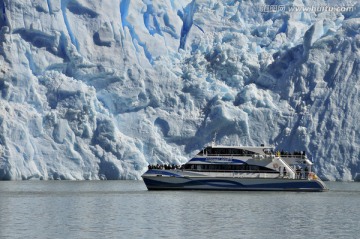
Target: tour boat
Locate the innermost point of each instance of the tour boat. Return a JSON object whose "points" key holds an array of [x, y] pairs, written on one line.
{"points": [[238, 168]]}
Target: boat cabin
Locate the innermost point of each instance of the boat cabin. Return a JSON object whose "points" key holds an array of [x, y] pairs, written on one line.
{"points": [[235, 151]]}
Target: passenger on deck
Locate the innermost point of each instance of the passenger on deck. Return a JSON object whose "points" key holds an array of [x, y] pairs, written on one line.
{"points": [[298, 172], [306, 172]]}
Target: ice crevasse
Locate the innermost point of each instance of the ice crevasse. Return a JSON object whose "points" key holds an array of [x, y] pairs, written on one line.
{"points": [[100, 89]]}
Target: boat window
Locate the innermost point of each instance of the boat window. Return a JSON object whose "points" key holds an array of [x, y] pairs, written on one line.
{"points": [[268, 151], [205, 151], [189, 166], [227, 167], [253, 167], [227, 151]]}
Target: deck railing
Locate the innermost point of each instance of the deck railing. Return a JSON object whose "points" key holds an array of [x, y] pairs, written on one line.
{"points": [[302, 156]]}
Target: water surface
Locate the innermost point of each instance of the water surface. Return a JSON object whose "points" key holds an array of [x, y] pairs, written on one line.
{"points": [[125, 209]]}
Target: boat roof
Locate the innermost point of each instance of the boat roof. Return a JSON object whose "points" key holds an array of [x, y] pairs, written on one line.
{"points": [[239, 147]]}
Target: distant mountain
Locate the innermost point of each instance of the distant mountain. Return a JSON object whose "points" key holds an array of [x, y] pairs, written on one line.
{"points": [[95, 89]]}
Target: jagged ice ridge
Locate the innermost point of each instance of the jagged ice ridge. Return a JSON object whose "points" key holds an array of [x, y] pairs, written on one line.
{"points": [[98, 89]]}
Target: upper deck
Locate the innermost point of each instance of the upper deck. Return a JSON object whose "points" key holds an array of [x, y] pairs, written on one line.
{"points": [[220, 150], [239, 154]]}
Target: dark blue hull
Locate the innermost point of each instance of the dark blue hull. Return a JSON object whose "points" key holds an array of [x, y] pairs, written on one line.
{"points": [[232, 184]]}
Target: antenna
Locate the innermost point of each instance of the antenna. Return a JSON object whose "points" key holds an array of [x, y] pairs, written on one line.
{"points": [[213, 143]]}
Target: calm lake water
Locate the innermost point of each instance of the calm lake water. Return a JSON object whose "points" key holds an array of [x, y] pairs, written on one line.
{"points": [[125, 209]]}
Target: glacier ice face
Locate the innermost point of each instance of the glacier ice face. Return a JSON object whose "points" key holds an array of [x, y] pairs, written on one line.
{"points": [[99, 89]]}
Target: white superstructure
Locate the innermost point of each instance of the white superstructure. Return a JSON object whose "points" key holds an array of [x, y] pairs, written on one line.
{"points": [[238, 168]]}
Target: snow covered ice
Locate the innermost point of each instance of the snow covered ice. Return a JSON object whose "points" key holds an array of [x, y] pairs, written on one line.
{"points": [[95, 89]]}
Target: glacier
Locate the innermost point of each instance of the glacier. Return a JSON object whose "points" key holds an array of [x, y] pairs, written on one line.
{"points": [[95, 89]]}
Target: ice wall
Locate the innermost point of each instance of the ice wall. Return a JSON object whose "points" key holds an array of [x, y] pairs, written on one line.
{"points": [[99, 89]]}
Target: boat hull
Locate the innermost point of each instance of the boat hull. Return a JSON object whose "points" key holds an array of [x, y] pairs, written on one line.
{"points": [[231, 184]]}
